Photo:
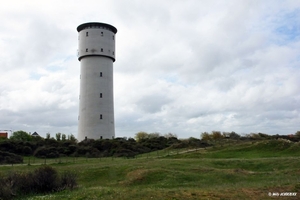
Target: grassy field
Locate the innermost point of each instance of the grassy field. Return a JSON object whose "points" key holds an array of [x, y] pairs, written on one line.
{"points": [[241, 171]]}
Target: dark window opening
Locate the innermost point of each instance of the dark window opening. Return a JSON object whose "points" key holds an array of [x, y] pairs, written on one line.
{"points": [[87, 34], [86, 50], [100, 116], [101, 50], [113, 37], [100, 74], [101, 33], [100, 95], [101, 137]]}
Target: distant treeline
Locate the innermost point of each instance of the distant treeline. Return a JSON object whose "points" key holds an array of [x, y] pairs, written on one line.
{"points": [[217, 135], [23, 144]]}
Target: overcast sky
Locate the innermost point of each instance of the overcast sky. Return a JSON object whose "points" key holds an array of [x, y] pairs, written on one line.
{"points": [[183, 67]]}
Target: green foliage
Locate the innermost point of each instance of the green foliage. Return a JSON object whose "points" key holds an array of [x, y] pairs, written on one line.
{"points": [[45, 179], [63, 137], [72, 138], [216, 135], [153, 135], [88, 151], [42, 180], [10, 158], [122, 147], [21, 136], [190, 143], [58, 136], [183, 177], [46, 152], [205, 136], [257, 149], [234, 135], [68, 180], [170, 135], [140, 136]]}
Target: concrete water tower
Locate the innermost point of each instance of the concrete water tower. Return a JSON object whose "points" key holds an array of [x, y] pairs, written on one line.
{"points": [[96, 54]]}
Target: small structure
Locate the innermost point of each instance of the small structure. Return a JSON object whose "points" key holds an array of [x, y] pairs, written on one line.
{"points": [[35, 134], [3, 135]]}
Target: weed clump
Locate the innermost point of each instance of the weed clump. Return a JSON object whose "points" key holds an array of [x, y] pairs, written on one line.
{"points": [[42, 180]]}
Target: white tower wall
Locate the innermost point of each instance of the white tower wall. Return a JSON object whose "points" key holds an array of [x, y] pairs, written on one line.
{"points": [[96, 54]]}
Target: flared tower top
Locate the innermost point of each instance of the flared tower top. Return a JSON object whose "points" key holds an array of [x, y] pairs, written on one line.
{"points": [[96, 39], [96, 24]]}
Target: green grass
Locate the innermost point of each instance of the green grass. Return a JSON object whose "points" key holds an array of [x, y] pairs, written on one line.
{"points": [[242, 171]]}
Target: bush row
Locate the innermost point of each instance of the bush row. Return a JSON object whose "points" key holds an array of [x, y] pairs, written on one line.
{"points": [[119, 147]]}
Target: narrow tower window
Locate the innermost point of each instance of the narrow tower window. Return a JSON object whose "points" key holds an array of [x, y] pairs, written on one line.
{"points": [[86, 50], [87, 34], [100, 116], [101, 49], [113, 37], [101, 33], [100, 95], [100, 74]]}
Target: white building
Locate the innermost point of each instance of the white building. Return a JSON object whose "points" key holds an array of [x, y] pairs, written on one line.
{"points": [[96, 54]]}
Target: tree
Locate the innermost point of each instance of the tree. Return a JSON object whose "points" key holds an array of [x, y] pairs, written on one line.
{"points": [[205, 136], [48, 136], [216, 135], [170, 135], [58, 136], [234, 135], [153, 135], [21, 135], [297, 134], [140, 136], [63, 137], [72, 138]]}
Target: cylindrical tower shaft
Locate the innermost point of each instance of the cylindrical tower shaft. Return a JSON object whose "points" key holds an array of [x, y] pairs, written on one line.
{"points": [[96, 54]]}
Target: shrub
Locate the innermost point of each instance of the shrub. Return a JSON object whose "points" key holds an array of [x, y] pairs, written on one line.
{"points": [[90, 151], [42, 180], [10, 158], [46, 152], [45, 179], [26, 150], [5, 192], [68, 180], [124, 153]]}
